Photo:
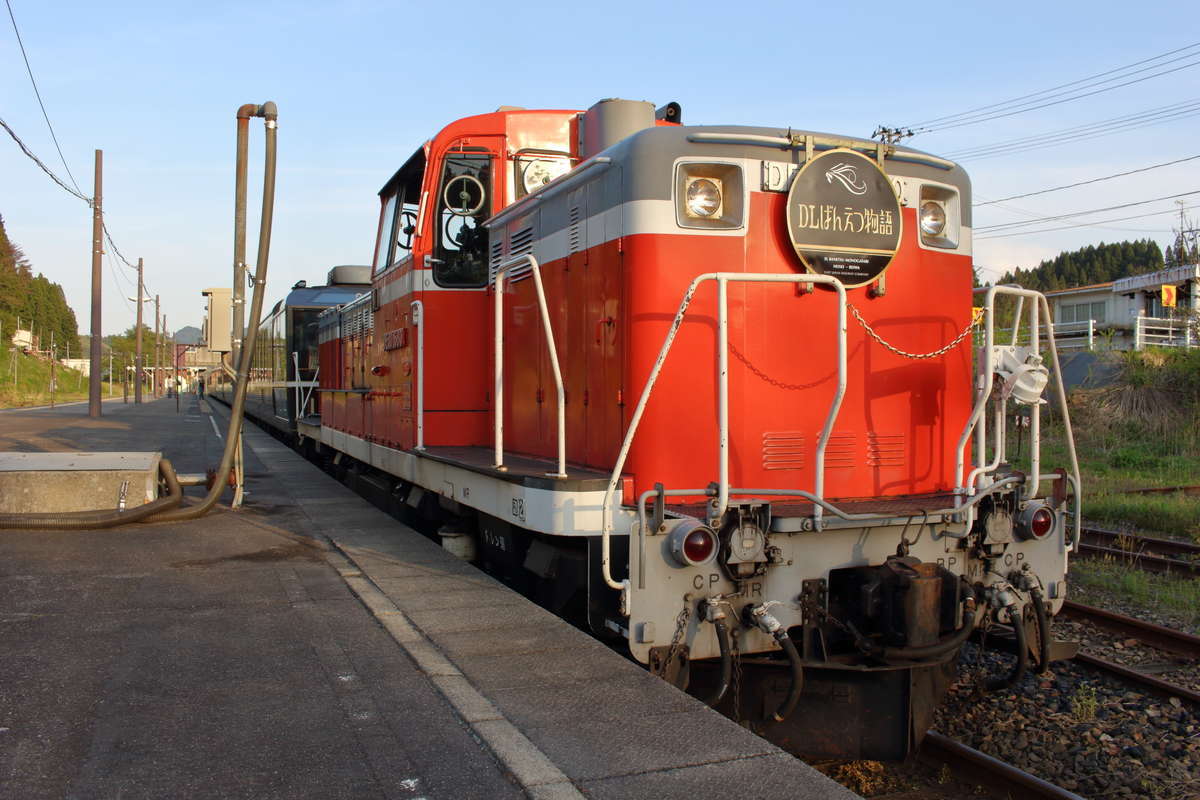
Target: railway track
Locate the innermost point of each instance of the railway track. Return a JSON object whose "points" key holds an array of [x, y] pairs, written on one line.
{"points": [[1146, 552], [998, 776], [1166, 639]]}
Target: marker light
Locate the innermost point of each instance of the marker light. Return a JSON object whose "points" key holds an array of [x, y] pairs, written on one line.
{"points": [[1036, 522], [692, 543], [1042, 523], [933, 218]]}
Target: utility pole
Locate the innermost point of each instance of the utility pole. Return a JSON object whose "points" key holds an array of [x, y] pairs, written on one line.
{"points": [[157, 338], [97, 250], [110, 375], [53, 358], [137, 366]]}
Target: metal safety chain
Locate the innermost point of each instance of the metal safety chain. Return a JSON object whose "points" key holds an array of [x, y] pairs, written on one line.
{"points": [[934, 354], [681, 623]]}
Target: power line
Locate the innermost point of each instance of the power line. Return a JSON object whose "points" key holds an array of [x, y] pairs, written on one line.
{"points": [[1085, 183], [1003, 225], [45, 169], [59, 181], [29, 69], [1090, 131], [1082, 224], [1029, 102]]}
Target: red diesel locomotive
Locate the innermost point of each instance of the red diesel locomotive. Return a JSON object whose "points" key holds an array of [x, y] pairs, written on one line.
{"points": [[714, 390]]}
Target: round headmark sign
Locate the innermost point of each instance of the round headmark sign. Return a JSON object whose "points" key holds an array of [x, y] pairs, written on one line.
{"points": [[843, 217]]}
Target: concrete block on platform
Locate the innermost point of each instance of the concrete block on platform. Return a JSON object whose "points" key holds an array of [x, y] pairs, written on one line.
{"points": [[39, 483]]}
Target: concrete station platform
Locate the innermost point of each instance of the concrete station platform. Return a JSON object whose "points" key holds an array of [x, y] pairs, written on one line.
{"points": [[312, 646]]}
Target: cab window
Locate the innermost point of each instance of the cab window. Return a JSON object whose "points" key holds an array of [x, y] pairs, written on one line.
{"points": [[398, 223], [464, 202]]}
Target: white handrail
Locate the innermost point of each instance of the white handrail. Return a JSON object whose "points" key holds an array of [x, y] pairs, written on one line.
{"points": [[499, 359], [722, 501], [418, 316], [981, 398]]}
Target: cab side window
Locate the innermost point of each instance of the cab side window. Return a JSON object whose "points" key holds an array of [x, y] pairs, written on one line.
{"points": [[464, 202]]}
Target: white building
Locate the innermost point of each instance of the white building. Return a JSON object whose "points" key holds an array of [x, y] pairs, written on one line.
{"points": [[1128, 314]]}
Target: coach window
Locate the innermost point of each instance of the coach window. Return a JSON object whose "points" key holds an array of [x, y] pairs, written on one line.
{"points": [[464, 198]]}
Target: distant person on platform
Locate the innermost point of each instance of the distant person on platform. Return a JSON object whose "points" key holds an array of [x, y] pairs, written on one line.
{"points": [[200, 387]]}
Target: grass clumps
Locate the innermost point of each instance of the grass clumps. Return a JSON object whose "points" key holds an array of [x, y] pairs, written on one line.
{"points": [[1140, 431]]}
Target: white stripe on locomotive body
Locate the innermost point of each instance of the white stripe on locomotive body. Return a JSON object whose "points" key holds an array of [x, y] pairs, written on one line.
{"points": [[549, 511]]}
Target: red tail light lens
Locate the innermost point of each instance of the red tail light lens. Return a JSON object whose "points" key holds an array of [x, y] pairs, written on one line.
{"points": [[1042, 523], [692, 543], [699, 545]]}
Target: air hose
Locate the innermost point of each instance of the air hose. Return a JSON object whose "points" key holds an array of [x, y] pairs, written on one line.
{"points": [[1043, 623], [762, 619], [1018, 670], [726, 662], [793, 696]]}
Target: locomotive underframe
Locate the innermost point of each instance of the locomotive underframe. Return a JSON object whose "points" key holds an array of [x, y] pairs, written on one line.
{"points": [[864, 706]]}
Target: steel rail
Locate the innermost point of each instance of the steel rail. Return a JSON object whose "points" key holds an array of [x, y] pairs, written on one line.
{"points": [[1145, 680], [1150, 553], [1159, 636], [991, 771]]}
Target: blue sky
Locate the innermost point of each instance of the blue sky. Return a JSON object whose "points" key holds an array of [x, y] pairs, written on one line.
{"points": [[361, 84]]}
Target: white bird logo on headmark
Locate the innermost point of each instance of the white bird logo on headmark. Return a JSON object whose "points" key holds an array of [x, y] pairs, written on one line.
{"points": [[847, 175]]}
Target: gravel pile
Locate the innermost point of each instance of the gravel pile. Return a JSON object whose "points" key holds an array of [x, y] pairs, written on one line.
{"points": [[1082, 731]]}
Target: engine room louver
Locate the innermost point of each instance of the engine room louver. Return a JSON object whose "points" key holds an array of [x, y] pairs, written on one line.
{"points": [[357, 318], [885, 449], [519, 244], [574, 234]]}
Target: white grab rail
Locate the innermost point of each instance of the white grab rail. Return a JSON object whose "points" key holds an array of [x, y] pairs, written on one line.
{"points": [[977, 419], [418, 316], [718, 506], [499, 358]]}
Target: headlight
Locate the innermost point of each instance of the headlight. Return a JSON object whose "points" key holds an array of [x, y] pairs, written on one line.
{"points": [[709, 195], [939, 216], [704, 198], [933, 218]]}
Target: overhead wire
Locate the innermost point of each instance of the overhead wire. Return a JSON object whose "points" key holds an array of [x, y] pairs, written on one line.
{"points": [[29, 69], [1053, 96], [1097, 223], [44, 168], [1010, 225], [1053, 88], [1090, 131], [1087, 182]]}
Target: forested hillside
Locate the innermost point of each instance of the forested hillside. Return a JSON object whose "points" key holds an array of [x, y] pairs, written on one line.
{"points": [[35, 300], [1092, 264]]}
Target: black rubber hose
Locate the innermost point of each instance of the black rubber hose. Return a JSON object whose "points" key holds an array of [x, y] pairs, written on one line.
{"points": [[947, 645], [1018, 671], [793, 697], [1043, 623], [726, 663], [108, 518], [950, 643]]}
